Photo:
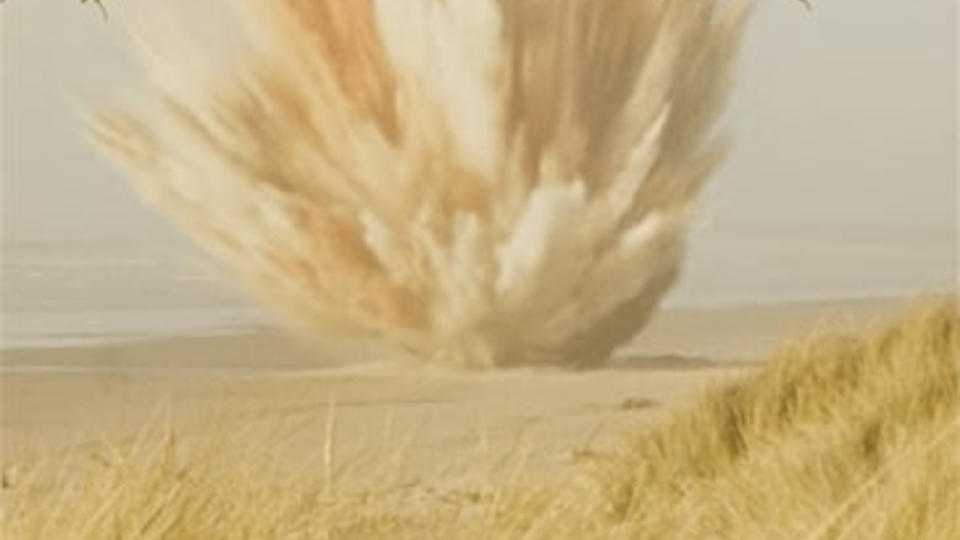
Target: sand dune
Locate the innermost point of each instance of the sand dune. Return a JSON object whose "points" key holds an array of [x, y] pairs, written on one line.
{"points": [[834, 437]]}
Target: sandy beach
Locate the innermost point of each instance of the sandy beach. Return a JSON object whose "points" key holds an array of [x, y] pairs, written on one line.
{"points": [[675, 269], [291, 392]]}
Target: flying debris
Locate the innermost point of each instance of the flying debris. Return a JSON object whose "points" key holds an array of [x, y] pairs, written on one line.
{"points": [[99, 4], [483, 182]]}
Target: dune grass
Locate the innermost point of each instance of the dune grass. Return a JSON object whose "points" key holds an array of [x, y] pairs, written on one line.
{"points": [[837, 437], [840, 437]]}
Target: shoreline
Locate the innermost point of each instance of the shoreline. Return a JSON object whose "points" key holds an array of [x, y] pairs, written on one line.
{"points": [[776, 316]]}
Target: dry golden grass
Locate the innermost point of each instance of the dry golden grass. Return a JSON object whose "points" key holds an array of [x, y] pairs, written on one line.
{"points": [[839, 437]]}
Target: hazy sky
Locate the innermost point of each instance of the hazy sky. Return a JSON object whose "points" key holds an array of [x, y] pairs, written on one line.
{"points": [[842, 182]]}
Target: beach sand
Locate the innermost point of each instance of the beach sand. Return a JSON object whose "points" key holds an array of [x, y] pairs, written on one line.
{"points": [[289, 394]]}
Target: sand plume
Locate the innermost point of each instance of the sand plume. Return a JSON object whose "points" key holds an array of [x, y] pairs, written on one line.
{"points": [[483, 182]]}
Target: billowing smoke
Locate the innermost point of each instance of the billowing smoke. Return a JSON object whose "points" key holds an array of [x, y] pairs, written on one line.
{"points": [[483, 182]]}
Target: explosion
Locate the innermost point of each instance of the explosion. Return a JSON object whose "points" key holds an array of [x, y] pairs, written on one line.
{"points": [[482, 182]]}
